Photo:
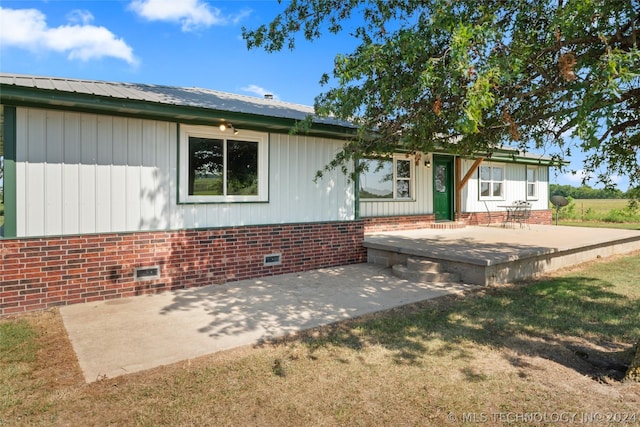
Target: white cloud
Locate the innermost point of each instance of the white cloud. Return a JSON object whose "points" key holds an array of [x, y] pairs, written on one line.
{"points": [[257, 90], [80, 17], [576, 177], [191, 14], [28, 29], [244, 13]]}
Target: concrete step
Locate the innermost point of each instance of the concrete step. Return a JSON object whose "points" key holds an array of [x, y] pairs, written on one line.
{"points": [[403, 272], [424, 265]]}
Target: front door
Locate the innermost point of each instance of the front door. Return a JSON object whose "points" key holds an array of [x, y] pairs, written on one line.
{"points": [[443, 188]]}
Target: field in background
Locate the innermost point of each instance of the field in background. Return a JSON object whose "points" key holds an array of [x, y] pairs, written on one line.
{"points": [[599, 212], [600, 206]]}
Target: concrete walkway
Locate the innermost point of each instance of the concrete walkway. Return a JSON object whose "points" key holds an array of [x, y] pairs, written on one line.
{"points": [[122, 336]]}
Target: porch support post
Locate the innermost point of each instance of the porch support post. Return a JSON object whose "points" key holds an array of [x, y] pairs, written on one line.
{"points": [[460, 183]]}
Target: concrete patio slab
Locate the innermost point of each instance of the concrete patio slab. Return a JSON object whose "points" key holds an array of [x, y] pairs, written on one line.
{"points": [[490, 255], [122, 336]]}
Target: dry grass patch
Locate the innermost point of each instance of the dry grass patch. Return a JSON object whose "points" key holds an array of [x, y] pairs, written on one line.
{"points": [[554, 346]]}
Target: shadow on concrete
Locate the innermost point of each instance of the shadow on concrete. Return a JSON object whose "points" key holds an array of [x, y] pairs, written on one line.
{"points": [[276, 306]]}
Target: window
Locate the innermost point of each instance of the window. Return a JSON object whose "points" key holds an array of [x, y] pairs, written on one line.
{"points": [[532, 183], [216, 167], [491, 182], [387, 179]]}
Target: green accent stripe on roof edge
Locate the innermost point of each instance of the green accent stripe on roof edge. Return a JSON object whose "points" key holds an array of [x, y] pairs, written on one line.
{"points": [[33, 97]]}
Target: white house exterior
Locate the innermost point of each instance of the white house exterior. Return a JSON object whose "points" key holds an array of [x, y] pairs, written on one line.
{"points": [[114, 189], [81, 173]]}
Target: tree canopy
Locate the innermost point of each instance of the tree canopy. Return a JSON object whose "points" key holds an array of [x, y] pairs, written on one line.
{"points": [[586, 192], [471, 77]]}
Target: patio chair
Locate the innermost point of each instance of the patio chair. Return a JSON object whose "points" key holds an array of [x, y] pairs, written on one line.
{"points": [[488, 212], [522, 213]]}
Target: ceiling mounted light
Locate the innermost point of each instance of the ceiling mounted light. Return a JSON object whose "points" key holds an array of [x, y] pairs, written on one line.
{"points": [[222, 127]]}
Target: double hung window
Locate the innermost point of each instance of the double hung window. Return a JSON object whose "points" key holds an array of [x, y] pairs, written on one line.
{"points": [[388, 178], [491, 181], [532, 183]]}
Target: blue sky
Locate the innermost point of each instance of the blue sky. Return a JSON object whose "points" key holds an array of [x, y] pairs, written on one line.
{"points": [[170, 42]]}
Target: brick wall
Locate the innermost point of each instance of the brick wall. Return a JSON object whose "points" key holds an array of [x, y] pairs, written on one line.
{"points": [[482, 218], [391, 223], [408, 222], [38, 273]]}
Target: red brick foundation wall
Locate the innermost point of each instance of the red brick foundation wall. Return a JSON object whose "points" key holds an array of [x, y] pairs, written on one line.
{"points": [[482, 218], [408, 222], [391, 223], [38, 273]]}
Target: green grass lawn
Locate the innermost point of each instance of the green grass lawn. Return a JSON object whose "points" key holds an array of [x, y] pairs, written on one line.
{"points": [[546, 347]]}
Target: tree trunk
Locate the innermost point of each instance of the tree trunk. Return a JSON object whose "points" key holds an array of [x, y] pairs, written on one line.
{"points": [[633, 373]]}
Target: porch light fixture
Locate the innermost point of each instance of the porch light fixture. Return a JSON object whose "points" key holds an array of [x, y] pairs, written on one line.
{"points": [[427, 163], [223, 127]]}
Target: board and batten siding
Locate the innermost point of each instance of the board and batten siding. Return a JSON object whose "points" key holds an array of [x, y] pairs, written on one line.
{"points": [[79, 173], [515, 188], [421, 204]]}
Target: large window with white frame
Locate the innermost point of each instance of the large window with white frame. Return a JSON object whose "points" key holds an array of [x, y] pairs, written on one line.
{"points": [[387, 178], [217, 166], [532, 183], [491, 182]]}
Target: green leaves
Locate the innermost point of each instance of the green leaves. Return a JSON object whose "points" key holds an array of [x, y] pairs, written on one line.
{"points": [[483, 74]]}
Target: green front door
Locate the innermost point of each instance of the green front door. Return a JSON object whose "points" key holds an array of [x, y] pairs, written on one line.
{"points": [[443, 188]]}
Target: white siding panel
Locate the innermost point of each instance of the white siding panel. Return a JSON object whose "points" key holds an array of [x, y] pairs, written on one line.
{"points": [[148, 186], [86, 173], [53, 183], [87, 176], [35, 174], [117, 196], [175, 216], [161, 194], [71, 173], [133, 182], [543, 189], [103, 173]]}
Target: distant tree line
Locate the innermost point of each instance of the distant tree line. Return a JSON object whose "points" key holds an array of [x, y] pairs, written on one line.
{"points": [[586, 192]]}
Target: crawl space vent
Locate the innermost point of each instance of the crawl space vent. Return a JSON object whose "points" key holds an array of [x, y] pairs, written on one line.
{"points": [[146, 273], [273, 259]]}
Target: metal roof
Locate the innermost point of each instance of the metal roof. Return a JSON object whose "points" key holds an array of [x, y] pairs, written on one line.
{"points": [[184, 104], [193, 97]]}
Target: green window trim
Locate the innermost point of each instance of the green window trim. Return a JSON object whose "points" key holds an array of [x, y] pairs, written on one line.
{"points": [[397, 184]]}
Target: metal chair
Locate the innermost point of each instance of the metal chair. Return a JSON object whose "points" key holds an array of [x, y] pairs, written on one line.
{"points": [[522, 213]]}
